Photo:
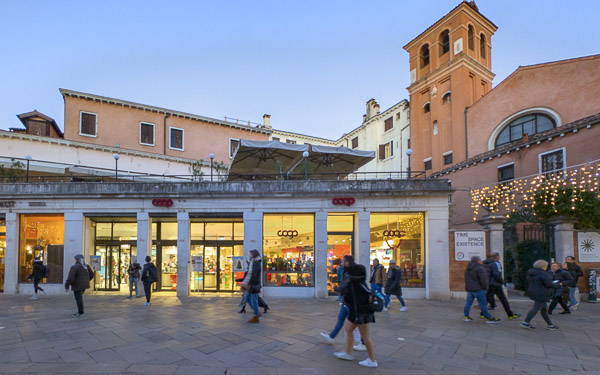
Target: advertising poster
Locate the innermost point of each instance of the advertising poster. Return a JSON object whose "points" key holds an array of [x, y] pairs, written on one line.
{"points": [[468, 244], [238, 264], [95, 262], [196, 263], [588, 246]]}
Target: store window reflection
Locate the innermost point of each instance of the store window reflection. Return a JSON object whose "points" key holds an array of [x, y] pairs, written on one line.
{"points": [[339, 243], [399, 236], [115, 249], [42, 235], [2, 252], [288, 250]]}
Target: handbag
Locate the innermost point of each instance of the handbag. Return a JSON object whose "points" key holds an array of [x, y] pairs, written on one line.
{"points": [[376, 301]]}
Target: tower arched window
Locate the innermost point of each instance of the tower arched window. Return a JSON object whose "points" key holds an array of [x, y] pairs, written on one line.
{"points": [[471, 38], [529, 124], [444, 42], [482, 46], [424, 55]]}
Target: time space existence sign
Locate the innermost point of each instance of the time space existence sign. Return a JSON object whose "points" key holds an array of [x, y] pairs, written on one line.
{"points": [[468, 244], [588, 246]]}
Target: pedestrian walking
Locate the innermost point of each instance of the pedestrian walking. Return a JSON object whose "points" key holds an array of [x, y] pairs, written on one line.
{"points": [[576, 272], [495, 288], [562, 279], [79, 278], [378, 276], [149, 276], [393, 287], [356, 296], [476, 285], [347, 261], [540, 288], [37, 274], [261, 302], [251, 284], [134, 275]]}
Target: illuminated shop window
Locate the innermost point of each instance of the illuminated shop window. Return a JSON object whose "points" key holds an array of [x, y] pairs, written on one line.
{"points": [[340, 236], [399, 236], [42, 235], [288, 250], [2, 251]]}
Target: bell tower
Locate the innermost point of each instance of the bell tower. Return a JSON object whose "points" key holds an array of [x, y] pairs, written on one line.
{"points": [[450, 69]]}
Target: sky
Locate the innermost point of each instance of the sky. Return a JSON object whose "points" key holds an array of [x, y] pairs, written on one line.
{"points": [[311, 65]]}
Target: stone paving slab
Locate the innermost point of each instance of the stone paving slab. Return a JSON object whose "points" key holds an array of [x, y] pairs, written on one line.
{"points": [[206, 335]]}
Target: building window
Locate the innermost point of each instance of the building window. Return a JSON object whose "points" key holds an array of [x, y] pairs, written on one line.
{"points": [[146, 133], [447, 97], [41, 237], [289, 250], [355, 142], [41, 128], [290, 141], [425, 55], [528, 124], [471, 38], [428, 165], [448, 159], [427, 107], [399, 237], [275, 139], [482, 46], [388, 124], [88, 124], [233, 146], [435, 128], [176, 139], [506, 173], [444, 42], [386, 150], [553, 161]]}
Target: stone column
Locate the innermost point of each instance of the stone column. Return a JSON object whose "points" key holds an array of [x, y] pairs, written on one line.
{"points": [[563, 237], [495, 225], [183, 254], [437, 275], [73, 244], [253, 222], [321, 254], [363, 240], [11, 255], [144, 243]]}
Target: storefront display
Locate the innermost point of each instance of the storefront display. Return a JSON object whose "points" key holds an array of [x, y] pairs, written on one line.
{"points": [[42, 235], [116, 248], [288, 248], [2, 252]]}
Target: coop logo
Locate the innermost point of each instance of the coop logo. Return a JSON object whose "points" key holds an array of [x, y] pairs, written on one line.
{"points": [[394, 233], [162, 202], [287, 233], [343, 201], [587, 245], [460, 255]]}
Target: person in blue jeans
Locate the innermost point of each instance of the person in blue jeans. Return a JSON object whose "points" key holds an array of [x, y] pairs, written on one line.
{"points": [[476, 285], [393, 287], [343, 314], [378, 276]]}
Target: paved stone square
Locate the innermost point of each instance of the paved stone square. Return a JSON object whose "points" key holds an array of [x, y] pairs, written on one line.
{"points": [[206, 335]]}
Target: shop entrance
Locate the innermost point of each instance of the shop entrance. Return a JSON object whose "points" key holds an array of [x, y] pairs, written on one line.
{"points": [[114, 262], [2, 251], [215, 267]]}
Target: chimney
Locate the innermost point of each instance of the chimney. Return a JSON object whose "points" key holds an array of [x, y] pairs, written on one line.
{"points": [[372, 109], [267, 121]]}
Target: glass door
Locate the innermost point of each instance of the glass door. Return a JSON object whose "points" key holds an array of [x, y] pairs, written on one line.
{"points": [[210, 268], [197, 269], [338, 245], [168, 276], [109, 267]]}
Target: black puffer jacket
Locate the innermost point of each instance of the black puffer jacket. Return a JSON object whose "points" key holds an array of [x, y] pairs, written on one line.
{"points": [[476, 278], [564, 280], [392, 286], [575, 271], [494, 274], [254, 285], [539, 285], [356, 296], [38, 270]]}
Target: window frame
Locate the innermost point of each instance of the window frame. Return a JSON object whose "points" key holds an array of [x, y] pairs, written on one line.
{"points": [[352, 142], [387, 121], [444, 41], [482, 46], [428, 165], [503, 167], [445, 155], [424, 60], [471, 37], [563, 150], [383, 150], [447, 97], [510, 126], [427, 107], [276, 139], [435, 128], [95, 135], [235, 140], [182, 138], [290, 141], [153, 133]]}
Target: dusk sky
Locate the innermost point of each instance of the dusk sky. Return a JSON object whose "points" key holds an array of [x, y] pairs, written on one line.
{"points": [[311, 65]]}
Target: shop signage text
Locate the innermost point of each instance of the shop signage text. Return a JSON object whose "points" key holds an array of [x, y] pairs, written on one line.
{"points": [[7, 204], [162, 202], [394, 233], [287, 233], [344, 201], [468, 244]]}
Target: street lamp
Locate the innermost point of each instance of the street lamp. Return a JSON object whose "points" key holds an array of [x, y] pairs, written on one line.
{"points": [[28, 158], [305, 156], [116, 156], [409, 153], [211, 156]]}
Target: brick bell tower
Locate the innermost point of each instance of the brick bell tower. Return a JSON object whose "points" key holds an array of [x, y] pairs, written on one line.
{"points": [[450, 69]]}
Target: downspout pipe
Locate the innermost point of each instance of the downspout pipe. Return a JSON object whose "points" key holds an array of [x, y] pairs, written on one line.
{"points": [[167, 115], [466, 134]]}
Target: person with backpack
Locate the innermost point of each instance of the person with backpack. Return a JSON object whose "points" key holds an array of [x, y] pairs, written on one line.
{"points": [[134, 275], [540, 288], [37, 274], [79, 278], [149, 276]]}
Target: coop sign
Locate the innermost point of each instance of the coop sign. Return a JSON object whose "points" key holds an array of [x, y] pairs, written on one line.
{"points": [[468, 244], [588, 247]]}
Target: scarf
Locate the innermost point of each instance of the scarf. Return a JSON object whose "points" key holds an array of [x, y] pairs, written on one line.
{"points": [[249, 273]]}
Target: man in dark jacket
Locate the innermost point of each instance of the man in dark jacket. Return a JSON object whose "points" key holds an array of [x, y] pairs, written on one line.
{"points": [[476, 285], [252, 283], [564, 280], [494, 270], [540, 288], [79, 278], [576, 273], [149, 276], [393, 287], [37, 274]]}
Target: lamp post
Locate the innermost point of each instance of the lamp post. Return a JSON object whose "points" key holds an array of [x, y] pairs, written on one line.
{"points": [[409, 153], [211, 156], [305, 156], [28, 158], [116, 156]]}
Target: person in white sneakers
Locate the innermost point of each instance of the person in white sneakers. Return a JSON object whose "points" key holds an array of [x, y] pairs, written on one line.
{"points": [[392, 286], [356, 297]]}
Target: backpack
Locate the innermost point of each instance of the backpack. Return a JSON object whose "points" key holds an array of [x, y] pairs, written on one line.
{"points": [[152, 274], [46, 272], [90, 272], [376, 302]]}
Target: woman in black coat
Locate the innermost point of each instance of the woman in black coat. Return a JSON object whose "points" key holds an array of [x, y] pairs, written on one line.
{"points": [[393, 287], [540, 289]]}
